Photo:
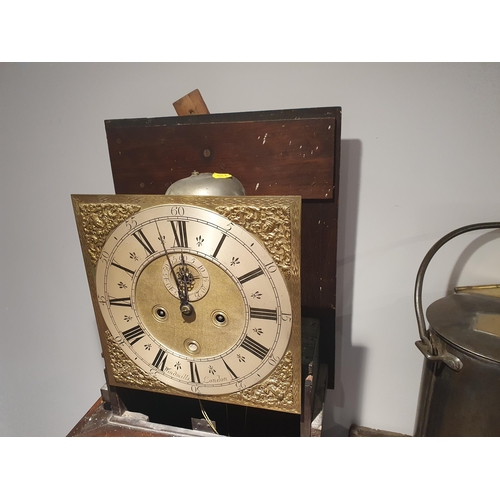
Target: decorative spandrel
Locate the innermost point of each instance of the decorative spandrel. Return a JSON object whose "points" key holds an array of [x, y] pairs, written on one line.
{"points": [[271, 224], [99, 219]]}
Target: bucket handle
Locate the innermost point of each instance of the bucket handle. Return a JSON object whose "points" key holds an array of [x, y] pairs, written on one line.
{"points": [[424, 344]]}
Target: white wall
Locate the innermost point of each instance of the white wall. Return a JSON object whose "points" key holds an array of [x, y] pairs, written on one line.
{"points": [[420, 153]]}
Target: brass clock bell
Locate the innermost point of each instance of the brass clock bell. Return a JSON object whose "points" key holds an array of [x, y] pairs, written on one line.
{"points": [[207, 184]]}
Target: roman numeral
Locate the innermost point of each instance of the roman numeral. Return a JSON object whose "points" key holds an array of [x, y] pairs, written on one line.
{"points": [[258, 313], [254, 347], [122, 301], [122, 268], [160, 360], [195, 377], [233, 375], [251, 275], [134, 334], [218, 246], [180, 234], [141, 238]]}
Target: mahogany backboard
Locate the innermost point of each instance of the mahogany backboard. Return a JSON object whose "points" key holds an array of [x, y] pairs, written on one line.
{"points": [[283, 152]]}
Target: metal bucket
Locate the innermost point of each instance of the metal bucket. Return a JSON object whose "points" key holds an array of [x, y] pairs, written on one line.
{"points": [[460, 386]]}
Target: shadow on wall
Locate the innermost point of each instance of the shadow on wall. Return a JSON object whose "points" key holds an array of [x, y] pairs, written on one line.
{"points": [[350, 360]]}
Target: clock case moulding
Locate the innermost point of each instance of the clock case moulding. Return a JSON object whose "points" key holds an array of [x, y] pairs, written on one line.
{"points": [[281, 152]]}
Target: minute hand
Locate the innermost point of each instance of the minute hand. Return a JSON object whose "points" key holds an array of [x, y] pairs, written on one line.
{"points": [[186, 307]]}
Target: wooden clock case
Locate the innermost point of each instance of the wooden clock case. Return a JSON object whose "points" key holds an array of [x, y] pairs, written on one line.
{"points": [[282, 152]]}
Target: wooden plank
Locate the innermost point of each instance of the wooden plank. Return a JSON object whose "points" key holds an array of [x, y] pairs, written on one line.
{"points": [[191, 104], [281, 156]]}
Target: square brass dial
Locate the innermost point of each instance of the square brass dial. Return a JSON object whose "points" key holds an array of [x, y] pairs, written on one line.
{"points": [[197, 296]]}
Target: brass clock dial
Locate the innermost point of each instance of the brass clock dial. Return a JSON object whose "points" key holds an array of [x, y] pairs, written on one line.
{"points": [[195, 301]]}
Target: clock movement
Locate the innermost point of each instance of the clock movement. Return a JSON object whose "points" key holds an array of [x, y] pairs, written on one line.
{"points": [[197, 297]]}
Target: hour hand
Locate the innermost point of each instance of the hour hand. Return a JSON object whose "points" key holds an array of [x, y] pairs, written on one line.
{"points": [[185, 307], [181, 284]]}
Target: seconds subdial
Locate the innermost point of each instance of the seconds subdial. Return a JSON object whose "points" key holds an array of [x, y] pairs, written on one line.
{"points": [[189, 271]]}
